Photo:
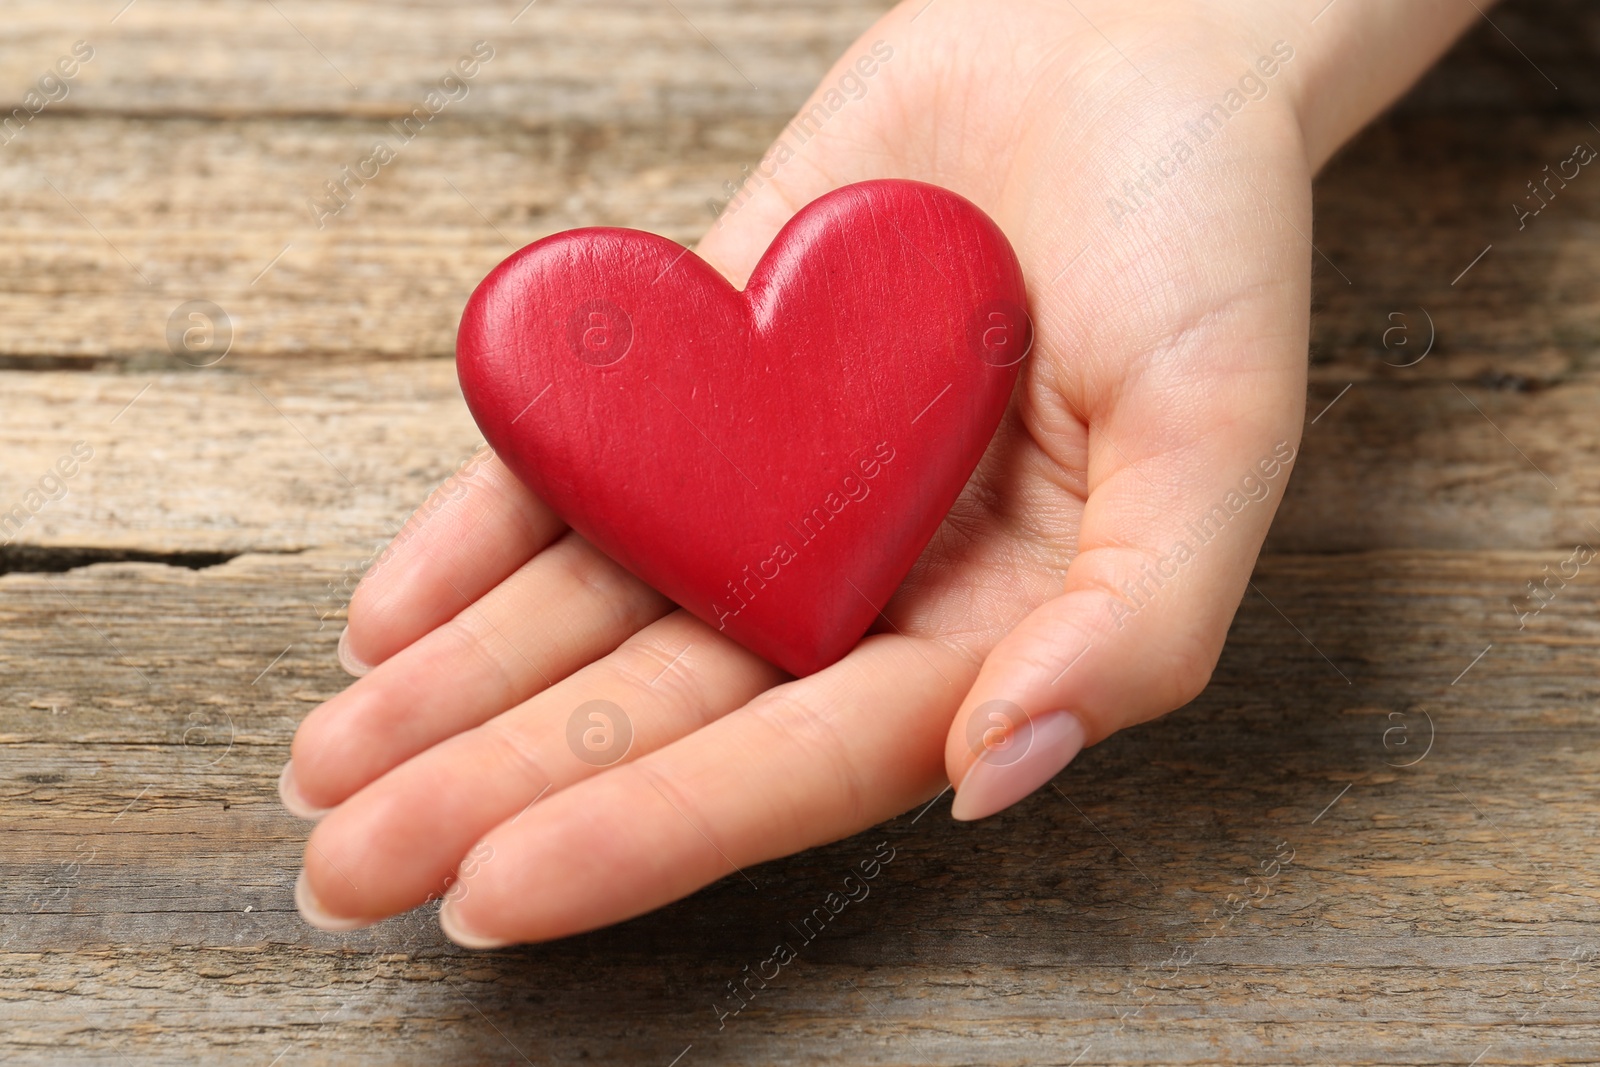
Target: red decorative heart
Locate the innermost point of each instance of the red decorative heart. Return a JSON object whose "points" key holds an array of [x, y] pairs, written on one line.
{"points": [[773, 460]]}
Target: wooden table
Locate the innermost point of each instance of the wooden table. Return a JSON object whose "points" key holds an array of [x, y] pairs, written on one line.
{"points": [[1382, 714]]}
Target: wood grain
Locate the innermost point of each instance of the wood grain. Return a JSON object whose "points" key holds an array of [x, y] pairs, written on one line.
{"points": [[167, 622], [1424, 911], [217, 461], [622, 113]]}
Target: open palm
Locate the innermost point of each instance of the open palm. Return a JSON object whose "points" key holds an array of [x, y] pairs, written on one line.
{"points": [[1160, 407]]}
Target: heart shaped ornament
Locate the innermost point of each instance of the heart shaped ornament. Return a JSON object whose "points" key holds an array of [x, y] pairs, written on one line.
{"points": [[773, 460]]}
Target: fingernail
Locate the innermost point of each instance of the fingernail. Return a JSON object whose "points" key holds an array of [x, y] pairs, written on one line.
{"points": [[312, 911], [347, 658], [293, 802], [1002, 776], [453, 928]]}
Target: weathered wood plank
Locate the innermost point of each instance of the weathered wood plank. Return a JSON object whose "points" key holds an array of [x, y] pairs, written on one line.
{"points": [[386, 277], [221, 461], [618, 114], [228, 460], [1424, 912], [1405, 214], [1437, 464], [554, 61], [583, 123]]}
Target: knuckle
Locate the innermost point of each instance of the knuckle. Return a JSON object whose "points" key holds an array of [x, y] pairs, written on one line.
{"points": [[626, 600], [686, 804], [478, 645], [659, 667], [819, 740], [507, 738]]}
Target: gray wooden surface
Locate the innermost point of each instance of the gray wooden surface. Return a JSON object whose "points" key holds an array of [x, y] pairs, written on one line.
{"points": [[1381, 712]]}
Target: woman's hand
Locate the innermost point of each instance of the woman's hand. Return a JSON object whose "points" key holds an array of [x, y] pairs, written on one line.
{"points": [[1151, 164]]}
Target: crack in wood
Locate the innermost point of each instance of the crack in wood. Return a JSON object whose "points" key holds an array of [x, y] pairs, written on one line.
{"points": [[58, 559]]}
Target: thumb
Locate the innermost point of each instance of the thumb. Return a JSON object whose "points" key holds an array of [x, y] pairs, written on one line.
{"points": [[1167, 543]]}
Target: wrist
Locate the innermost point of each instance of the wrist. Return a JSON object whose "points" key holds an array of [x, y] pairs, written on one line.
{"points": [[1352, 58]]}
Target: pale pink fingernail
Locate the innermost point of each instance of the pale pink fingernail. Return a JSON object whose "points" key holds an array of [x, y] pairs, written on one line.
{"points": [[289, 795], [458, 932], [1036, 752], [347, 658], [313, 912]]}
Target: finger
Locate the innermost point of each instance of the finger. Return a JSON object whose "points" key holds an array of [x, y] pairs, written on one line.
{"points": [[466, 538], [401, 838], [563, 609], [809, 762], [1186, 475]]}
